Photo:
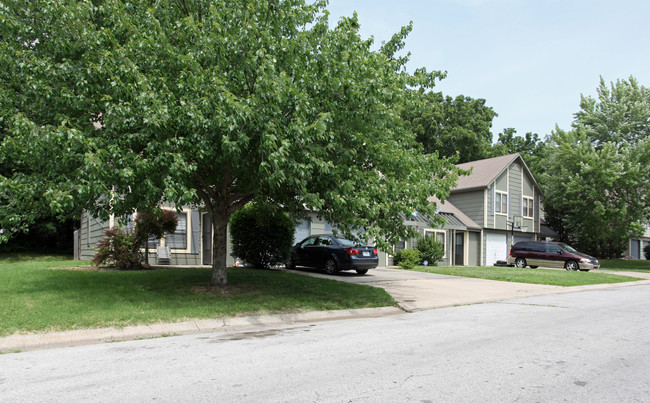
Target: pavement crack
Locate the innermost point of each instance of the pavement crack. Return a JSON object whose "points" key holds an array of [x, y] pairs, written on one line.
{"points": [[542, 305]]}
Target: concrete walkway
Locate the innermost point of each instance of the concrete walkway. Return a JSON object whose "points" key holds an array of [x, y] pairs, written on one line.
{"points": [[416, 291], [413, 291]]}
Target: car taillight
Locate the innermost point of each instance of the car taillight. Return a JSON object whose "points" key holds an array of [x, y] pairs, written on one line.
{"points": [[352, 251], [374, 252]]}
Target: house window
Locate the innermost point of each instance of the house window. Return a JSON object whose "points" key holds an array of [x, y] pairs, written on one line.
{"points": [[439, 236], [528, 207], [501, 202], [178, 239]]}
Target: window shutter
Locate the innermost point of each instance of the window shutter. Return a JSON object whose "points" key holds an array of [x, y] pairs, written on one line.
{"points": [[509, 204], [493, 201], [521, 204], [196, 232]]}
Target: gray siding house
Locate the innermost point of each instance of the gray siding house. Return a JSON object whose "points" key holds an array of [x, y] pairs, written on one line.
{"points": [[477, 230], [496, 191], [479, 213], [635, 246]]}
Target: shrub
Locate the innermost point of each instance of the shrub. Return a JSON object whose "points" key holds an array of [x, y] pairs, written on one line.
{"points": [[646, 251], [118, 249], [121, 248], [430, 250], [407, 258], [262, 235]]}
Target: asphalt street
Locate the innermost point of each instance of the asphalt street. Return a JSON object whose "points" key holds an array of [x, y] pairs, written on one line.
{"points": [[584, 346]]}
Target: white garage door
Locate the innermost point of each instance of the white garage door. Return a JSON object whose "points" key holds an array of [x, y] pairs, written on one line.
{"points": [[303, 230], [496, 248]]}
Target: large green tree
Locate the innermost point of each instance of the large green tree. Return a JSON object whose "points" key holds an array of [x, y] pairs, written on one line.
{"points": [[597, 176], [117, 105], [452, 126], [620, 113]]}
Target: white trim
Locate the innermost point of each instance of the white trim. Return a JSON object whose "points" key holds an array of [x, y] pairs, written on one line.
{"points": [[529, 209], [188, 233], [502, 193]]}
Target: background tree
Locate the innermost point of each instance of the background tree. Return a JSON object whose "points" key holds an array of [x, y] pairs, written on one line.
{"points": [[597, 177], [620, 114], [452, 126], [532, 149], [213, 104]]}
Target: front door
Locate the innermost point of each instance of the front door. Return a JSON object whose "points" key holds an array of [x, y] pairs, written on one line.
{"points": [[207, 239], [459, 249]]}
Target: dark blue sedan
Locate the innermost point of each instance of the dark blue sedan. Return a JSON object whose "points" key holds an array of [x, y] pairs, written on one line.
{"points": [[333, 254]]}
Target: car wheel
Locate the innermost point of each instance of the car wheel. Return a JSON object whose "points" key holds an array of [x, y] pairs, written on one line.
{"points": [[361, 272], [534, 267], [520, 263], [330, 266], [584, 269], [291, 264], [571, 265]]}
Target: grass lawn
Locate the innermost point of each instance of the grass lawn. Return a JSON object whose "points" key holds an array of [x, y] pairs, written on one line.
{"points": [[617, 264], [38, 296], [532, 276]]}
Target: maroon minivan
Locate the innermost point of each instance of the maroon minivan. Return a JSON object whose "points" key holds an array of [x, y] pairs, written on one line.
{"points": [[550, 254]]}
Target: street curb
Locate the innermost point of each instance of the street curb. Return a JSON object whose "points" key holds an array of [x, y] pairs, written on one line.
{"points": [[42, 341]]}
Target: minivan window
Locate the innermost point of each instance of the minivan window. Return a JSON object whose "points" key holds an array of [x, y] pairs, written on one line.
{"points": [[537, 247], [567, 248], [550, 248]]}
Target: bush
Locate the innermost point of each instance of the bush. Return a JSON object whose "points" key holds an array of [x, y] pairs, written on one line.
{"points": [[430, 250], [407, 258], [119, 249], [262, 235], [646, 251]]}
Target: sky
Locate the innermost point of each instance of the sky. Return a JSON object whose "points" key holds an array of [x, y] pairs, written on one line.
{"points": [[529, 59]]}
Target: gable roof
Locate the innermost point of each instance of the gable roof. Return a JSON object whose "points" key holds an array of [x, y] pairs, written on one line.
{"points": [[486, 171]]}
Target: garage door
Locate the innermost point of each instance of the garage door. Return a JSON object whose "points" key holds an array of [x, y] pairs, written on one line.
{"points": [[303, 230], [519, 238], [496, 248]]}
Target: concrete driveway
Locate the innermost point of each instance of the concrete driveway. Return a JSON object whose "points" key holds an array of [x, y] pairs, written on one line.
{"points": [[416, 291]]}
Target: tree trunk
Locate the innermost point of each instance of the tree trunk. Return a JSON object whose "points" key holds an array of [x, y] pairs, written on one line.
{"points": [[219, 248]]}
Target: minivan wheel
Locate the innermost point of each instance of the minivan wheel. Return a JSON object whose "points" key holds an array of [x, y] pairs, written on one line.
{"points": [[291, 264], [520, 263], [361, 272], [330, 266], [572, 265]]}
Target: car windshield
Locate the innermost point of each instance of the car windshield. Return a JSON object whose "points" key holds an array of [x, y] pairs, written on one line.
{"points": [[345, 242], [567, 248]]}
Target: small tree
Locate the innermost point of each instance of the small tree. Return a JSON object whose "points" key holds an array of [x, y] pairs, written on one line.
{"points": [[154, 223], [120, 248], [262, 235], [430, 250]]}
